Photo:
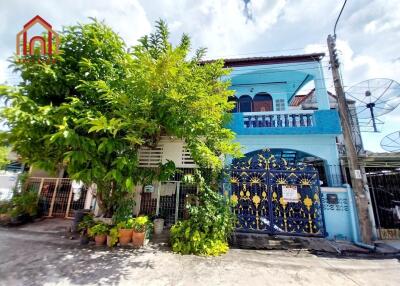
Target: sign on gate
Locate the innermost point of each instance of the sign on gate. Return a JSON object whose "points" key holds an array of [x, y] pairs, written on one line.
{"points": [[289, 193]]}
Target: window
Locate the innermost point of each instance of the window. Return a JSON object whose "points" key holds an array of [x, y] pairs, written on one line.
{"points": [[279, 105], [262, 102], [245, 103]]}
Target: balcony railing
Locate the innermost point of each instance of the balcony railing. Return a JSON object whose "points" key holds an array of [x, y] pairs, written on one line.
{"points": [[297, 118]]}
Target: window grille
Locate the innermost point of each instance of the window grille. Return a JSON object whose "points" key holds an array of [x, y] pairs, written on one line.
{"points": [[186, 157], [150, 157]]}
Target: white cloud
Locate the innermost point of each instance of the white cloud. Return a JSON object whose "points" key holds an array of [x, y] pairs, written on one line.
{"points": [[221, 26]]}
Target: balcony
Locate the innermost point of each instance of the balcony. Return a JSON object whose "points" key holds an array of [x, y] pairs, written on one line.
{"points": [[286, 122], [292, 119]]}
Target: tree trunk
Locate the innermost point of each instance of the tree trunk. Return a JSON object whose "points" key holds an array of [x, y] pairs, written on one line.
{"points": [[103, 196]]}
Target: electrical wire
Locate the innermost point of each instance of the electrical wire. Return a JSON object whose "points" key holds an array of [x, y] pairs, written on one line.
{"points": [[337, 20]]}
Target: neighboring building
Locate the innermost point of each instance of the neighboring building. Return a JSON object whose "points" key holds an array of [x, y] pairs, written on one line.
{"points": [[9, 176]]}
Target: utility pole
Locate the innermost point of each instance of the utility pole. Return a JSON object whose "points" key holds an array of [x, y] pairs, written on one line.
{"points": [[351, 152]]}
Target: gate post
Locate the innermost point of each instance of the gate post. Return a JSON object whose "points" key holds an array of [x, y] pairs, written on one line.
{"points": [[158, 198], [69, 202], [53, 198], [40, 187], [178, 186]]}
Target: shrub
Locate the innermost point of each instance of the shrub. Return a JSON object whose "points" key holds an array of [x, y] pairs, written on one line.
{"points": [[113, 233], [140, 223], [86, 223], [124, 209], [209, 226], [98, 229], [5, 206], [127, 224], [24, 203]]}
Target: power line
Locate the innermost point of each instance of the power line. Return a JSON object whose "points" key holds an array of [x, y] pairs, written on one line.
{"points": [[337, 20]]}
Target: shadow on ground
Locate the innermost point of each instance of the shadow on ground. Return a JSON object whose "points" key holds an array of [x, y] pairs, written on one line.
{"points": [[54, 260]]}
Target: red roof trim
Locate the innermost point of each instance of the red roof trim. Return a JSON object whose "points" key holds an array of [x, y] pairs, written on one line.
{"points": [[40, 19]]}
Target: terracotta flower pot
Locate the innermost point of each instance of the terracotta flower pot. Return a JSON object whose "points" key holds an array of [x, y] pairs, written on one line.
{"points": [[100, 239], [125, 236], [137, 238]]}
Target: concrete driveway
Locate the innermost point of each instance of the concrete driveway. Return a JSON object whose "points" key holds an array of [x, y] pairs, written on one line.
{"points": [[29, 258]]}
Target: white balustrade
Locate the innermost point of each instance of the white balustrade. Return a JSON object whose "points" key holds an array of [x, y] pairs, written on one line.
{"points": [[293, 119]]}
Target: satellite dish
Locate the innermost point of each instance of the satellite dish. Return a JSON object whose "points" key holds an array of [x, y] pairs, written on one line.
{"points": [[374, 98], [391, 142]]}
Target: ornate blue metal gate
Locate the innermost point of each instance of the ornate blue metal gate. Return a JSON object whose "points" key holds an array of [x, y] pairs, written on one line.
{"points": [[275, 197]]}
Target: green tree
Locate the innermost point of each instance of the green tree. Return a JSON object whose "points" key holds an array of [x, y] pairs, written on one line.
{"points": [[4, 152], [91, 109]]}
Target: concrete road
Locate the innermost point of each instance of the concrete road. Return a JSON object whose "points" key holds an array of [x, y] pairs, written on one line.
{"points": [[46, 259]]}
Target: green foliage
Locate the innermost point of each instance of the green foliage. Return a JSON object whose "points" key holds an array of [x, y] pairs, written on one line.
{"points": [[25, 202], [98, 229], [127, 224], [113, 234], [140, 223], [5, 206], [123, 209], [86, 223], [210, 224], [4, 152], [93, 108]]}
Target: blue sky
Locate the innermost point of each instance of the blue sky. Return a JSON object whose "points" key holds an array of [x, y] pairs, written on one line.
{"points": [[368, 33]]}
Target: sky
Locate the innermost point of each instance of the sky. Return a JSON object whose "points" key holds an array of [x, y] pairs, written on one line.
{"points": [[368, 34]]}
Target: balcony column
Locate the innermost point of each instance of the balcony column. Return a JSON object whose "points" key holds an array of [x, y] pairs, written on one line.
{"points": [[320, 90]]}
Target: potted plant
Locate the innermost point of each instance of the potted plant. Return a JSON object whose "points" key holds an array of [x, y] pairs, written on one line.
{"points": [[139, 229], [112, 236], [83, 227], [99, 232], [125, 229]]}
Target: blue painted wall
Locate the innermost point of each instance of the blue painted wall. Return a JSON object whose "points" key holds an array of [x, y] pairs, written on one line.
{"points": [[323, 146], [279, 80], [325, 122], [341, 221], [337, 216]]}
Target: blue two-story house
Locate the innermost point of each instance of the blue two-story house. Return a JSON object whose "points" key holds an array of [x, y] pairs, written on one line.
{"points": [[283, 111]]}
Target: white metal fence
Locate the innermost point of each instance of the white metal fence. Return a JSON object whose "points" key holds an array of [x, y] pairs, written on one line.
{"points": [[57, 198]]}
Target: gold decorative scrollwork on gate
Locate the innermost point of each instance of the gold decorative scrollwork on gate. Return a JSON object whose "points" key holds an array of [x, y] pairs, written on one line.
{"points": [[257, 184]]}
